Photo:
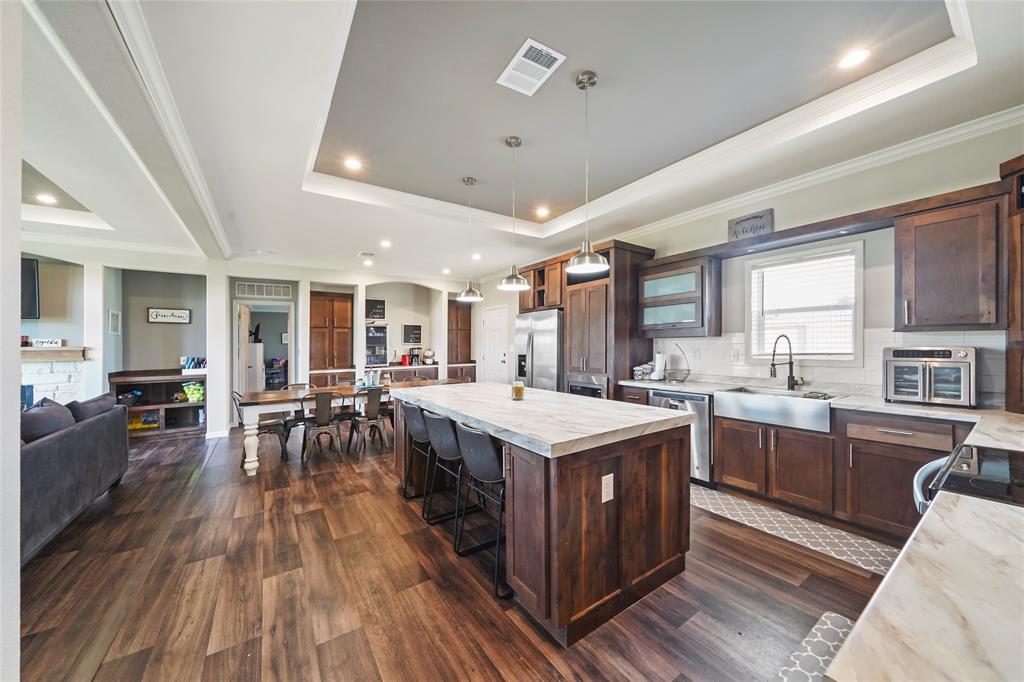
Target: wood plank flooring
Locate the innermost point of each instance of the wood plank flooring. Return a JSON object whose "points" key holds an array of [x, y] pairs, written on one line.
{"points": [[191, 571]]}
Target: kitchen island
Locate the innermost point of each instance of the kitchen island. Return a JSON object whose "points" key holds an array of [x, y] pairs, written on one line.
{"points": [[597, 495]]}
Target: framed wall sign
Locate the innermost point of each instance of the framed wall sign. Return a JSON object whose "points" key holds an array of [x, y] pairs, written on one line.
{"points": [[412, 333], [375, 309], [752, 224], [169, 315]]}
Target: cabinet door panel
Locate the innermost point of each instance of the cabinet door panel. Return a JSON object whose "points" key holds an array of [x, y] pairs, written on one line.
{"points": [[319, 348], [575, 329], [464, 344], [800, 469], [342, 348], [319, 312], [881, 485], [949, 268], [453, 345], [597, 329], [341, 310], [453, 315], [740, 454], [528, 530], [526, 298], [553, 284], [465, 314]]}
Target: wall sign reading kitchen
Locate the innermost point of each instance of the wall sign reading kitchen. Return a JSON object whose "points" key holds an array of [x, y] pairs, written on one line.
{"points": [[752, 224], [169, 315]]}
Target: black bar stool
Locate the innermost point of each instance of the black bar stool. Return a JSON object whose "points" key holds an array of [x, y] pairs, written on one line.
{"points": [[482, 457], [447, 457], [417, 430]]}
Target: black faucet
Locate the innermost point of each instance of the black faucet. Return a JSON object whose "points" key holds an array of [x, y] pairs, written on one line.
{"points": [[791, 381]]}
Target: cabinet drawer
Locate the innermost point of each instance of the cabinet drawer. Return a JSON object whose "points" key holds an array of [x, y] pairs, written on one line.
{"points": [[918, 434], [631, 394]]}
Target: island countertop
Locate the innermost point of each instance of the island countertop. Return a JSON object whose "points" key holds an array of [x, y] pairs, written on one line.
{"points": [[548, 423]]}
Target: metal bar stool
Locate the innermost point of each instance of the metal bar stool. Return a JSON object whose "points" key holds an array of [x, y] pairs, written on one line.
{"points": [[417, 430], [482, 457], [267, 424], [368, 421], [447, 458], [320, 420]]}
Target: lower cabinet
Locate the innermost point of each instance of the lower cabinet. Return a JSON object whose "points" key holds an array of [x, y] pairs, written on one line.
{"points": [[465, 373], [740, 455], [881, 483], [632, 394], [800, 468]]}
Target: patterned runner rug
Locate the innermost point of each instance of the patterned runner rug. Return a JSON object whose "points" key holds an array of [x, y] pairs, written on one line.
{"points": [[810, 661]]}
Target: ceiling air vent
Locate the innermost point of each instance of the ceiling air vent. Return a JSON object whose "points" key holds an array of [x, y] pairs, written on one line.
{"points": [[366, 254], [533, 64]]}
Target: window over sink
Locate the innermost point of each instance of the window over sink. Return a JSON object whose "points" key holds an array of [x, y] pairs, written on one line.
{"points": [[813, 296]]}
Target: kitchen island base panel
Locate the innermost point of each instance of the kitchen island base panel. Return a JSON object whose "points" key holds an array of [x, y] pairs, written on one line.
{"points": [[578, 556]]}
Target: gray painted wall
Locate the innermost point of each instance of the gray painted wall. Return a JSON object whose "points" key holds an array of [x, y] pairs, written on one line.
{"points": [[272, 325], [61, 304], [159, 346], [113, 346]]}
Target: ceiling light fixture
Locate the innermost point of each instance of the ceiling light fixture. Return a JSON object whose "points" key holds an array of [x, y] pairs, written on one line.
{"points": [[46, 199], [854, 57], [446, 271], [513, 281], [470, 294], [386, 243], [543, 212], [367, 262], [586, 261], [353, 163]]}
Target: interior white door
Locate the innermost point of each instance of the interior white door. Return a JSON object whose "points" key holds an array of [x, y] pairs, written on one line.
{"points": [[494, 363], [242, 314]]}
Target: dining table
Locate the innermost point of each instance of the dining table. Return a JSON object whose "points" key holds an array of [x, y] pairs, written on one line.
{"points": [[255, 403]]}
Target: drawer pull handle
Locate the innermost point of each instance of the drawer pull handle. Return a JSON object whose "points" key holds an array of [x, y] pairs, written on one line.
{"points": [[760, 443], [894, 432], [851, 455]]}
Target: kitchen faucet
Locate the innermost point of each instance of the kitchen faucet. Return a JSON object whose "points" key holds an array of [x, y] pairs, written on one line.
{"points": [[791, 381]]}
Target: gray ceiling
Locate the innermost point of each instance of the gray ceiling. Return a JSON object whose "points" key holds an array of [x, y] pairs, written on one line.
{"points": [[417, 102], [33, 182]]}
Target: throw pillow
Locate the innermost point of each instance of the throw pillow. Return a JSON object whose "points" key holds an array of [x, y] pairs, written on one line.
{"points": [[44, 418], [91, 408]]}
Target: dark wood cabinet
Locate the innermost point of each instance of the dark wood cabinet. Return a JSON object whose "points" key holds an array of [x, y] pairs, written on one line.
{"points": [[682, 299], [325, 379], [546, 286], [1013, 172], [632, 394], [526, 298], [553, 284], [586, 328], [951, 268], [800, 468], [460, 334], [741, 455], [881, 484], [464, 373], [330, 330]]}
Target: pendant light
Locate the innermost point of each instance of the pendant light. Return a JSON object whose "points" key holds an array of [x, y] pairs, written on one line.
{"points": [[586, 262], [470, 294], [513, 281]]}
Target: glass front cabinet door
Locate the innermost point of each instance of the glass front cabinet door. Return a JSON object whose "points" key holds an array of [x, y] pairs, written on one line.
{"points": [[681, 299]]}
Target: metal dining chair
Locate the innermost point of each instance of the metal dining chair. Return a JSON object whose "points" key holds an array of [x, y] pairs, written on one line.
{"points": [[271, 424], [368, 421], [320, 419], [483, 462], [298, 416]]}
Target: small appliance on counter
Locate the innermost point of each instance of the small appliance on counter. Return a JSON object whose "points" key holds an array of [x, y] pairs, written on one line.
{"points": [[992, 473], [416, 355], [937, 375]]}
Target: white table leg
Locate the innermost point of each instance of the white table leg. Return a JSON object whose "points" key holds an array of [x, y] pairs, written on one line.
{"points": [[252, 444]]}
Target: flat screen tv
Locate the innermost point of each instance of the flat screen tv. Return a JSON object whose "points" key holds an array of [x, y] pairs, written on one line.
{"points": [[29, 289]]}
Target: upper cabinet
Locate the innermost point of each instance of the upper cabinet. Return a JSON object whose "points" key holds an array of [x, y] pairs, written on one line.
{"points": [[460, 334], [546, 286], [330, 330], [951, 268], [681, 298]]}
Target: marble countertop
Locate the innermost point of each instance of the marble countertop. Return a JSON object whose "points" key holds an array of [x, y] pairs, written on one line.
{"points": [[952, 607], [549, 423], [992, 427]]}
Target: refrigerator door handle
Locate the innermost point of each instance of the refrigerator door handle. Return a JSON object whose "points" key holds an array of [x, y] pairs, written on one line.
{"points": [[529, 359]]}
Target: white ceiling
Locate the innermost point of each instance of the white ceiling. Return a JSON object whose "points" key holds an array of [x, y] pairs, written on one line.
{"points": [[214, 154]]}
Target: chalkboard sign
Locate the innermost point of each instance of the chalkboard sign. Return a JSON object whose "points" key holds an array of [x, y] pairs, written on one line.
{"points": [[412, 333], [374, 309]]}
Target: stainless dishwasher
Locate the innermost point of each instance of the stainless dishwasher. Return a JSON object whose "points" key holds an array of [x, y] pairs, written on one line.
{"points": [[700, 431]]}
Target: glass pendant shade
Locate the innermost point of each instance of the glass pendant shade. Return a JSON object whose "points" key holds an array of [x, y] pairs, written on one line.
{"points": [[587, 261], [469, 294], [513, 281]]}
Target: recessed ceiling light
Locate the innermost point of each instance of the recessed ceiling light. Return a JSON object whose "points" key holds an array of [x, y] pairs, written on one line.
{"points": [[386, 243], [476, 256], [353, 163], [446, 271], [46, 199], [542, 212], [854, 57], [367, 262]]}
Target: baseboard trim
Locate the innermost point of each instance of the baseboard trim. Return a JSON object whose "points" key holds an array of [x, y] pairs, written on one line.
{"points": [[217, 434]]}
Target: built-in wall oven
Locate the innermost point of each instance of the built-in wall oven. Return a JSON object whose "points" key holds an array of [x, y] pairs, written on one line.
{"points": [[588, 385], [943, 376], [700, 431]]}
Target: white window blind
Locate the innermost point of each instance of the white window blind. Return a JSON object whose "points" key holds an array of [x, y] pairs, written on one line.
{"points": [[811, 298]]}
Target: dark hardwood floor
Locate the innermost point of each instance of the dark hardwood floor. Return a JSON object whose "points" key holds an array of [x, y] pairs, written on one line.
{"points": [[191, 571]]}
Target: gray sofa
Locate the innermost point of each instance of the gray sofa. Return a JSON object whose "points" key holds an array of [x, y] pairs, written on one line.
{"points": [[66, 469]]}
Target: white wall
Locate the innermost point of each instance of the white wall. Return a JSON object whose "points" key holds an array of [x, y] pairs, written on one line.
{"points": [[61, 303], [113, 347]]}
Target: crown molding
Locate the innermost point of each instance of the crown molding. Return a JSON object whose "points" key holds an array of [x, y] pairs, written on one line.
{"points": [[920, 145], [128, 17], [32, 9], [108, 244], [51, 215]]}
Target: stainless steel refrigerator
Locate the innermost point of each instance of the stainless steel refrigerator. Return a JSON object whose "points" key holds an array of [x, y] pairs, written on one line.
{"points": [[538, 349]]}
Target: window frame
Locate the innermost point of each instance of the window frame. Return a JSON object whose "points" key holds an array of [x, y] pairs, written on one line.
{"points": [[856, 359]]}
